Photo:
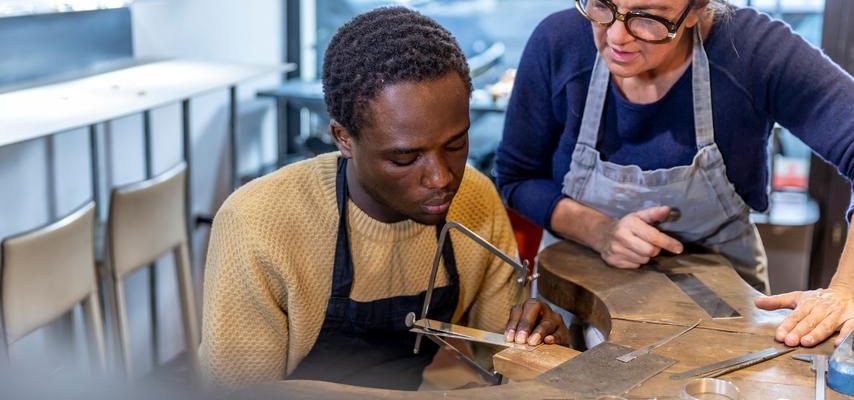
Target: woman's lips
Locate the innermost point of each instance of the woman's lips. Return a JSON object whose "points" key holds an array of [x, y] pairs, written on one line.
{"points": [[623, 56]]}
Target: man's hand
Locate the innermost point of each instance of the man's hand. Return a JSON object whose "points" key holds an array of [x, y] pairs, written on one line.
{"points": [[633, 240], [817, 315], [533, 322]]}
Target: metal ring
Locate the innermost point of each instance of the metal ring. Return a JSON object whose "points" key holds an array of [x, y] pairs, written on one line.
{"points": [[698, 387]]}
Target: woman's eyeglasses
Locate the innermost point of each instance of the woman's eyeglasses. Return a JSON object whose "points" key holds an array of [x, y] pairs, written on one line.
{"points": [[643, 26]]}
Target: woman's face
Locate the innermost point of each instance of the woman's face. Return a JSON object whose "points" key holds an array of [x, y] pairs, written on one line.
{"points": [[627, 56]]}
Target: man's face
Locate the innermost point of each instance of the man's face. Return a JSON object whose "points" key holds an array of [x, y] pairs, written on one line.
{"points": [[409, 160]]}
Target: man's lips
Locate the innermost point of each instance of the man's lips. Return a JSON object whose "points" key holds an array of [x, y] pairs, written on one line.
{"points": [[438, 205]]}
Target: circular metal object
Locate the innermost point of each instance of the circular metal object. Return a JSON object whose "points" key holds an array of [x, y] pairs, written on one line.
{"points": [[709, 388], [410, 320], [611, 398]]}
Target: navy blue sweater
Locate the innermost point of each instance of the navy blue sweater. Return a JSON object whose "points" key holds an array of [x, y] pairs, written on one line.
{"points": [[761, 72]]}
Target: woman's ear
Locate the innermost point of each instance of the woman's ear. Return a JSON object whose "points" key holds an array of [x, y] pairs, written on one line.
{"points": [[343, 139], [698, 14]]}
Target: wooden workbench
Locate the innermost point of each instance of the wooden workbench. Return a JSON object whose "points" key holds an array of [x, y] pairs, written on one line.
{"points": [[633, 308]]}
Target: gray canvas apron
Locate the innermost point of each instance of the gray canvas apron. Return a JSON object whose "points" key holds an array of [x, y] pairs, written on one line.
{"points": [[713, 215]]}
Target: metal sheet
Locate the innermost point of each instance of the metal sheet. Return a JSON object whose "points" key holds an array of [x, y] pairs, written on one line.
{"points": [[705, 297], [445, 329], [596, 372]]}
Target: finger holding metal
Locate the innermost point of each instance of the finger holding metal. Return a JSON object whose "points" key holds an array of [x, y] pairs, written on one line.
{"points": [[645, 350]]}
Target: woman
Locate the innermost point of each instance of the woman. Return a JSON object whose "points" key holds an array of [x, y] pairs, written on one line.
{"points": [[656, 116]]}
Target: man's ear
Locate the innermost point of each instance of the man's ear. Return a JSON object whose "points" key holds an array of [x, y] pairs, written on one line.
{"points": [[343, 139]]}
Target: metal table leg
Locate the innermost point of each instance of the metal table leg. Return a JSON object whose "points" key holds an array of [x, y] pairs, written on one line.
{"points": [[152, 268]]}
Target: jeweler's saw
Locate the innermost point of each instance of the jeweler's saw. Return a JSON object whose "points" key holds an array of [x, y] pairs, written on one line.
{"points": [[438, 330]]}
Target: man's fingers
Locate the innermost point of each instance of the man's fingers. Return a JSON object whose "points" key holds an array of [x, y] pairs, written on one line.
{"points": [[530, 314], [512, 322], [785, 300], [546, 327]]}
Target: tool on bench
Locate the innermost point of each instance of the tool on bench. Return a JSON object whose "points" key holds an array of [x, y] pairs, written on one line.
{"points": [[733, 364], [646, 349], [819, 365]]}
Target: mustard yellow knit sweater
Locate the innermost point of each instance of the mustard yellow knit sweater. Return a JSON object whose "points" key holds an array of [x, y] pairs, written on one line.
{"points": [[269, 267]]}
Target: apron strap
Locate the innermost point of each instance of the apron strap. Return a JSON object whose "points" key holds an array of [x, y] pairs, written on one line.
{"points": [[342, 270], [702, 92], [596, 93]]}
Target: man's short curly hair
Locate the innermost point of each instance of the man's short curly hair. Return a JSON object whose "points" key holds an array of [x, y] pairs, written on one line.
{"points": [[380, 48]]}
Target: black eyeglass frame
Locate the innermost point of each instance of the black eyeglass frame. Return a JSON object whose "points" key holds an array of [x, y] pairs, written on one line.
{"points": [[671, 26]]}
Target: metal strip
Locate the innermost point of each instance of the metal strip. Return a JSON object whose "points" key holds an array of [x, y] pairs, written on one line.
{"points": [[703, 296], [187, 139], [645, 350], [439, 328], [152, 268]]}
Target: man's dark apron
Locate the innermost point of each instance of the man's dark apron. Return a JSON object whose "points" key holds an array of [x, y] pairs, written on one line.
{"points": [[368, 343]]}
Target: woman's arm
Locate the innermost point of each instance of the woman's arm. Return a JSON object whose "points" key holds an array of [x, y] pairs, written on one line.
{"points": [[625, 243], [818, 313]]}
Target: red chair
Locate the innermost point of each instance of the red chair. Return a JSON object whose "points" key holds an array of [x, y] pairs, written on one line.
{"points": [[528, 236]]}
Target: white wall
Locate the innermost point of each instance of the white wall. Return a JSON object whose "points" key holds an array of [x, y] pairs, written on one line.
{"points": [[249, 31]]}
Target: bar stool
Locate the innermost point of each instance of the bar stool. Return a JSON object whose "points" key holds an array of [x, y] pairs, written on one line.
{"points": [[45, 273], [146, 220]]}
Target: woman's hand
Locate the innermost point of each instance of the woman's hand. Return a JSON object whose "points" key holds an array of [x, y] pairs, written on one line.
{"points": [[633, 240], [533, 322], [817, 315]]}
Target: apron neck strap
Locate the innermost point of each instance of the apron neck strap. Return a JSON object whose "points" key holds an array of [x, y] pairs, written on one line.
{"points": [[701, 91]]}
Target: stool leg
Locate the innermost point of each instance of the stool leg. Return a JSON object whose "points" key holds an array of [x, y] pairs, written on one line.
{"points": [[123, 327], [97, 351], [188, 306]]}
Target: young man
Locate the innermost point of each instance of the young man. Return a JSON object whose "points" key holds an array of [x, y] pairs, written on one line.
{"points": [[312, 269]]}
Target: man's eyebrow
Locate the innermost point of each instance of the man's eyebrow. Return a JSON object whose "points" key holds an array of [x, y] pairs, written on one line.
{"points": [[403, 150]]}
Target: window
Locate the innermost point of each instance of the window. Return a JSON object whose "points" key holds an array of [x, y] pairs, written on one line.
{"points": [[10, 8]]}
